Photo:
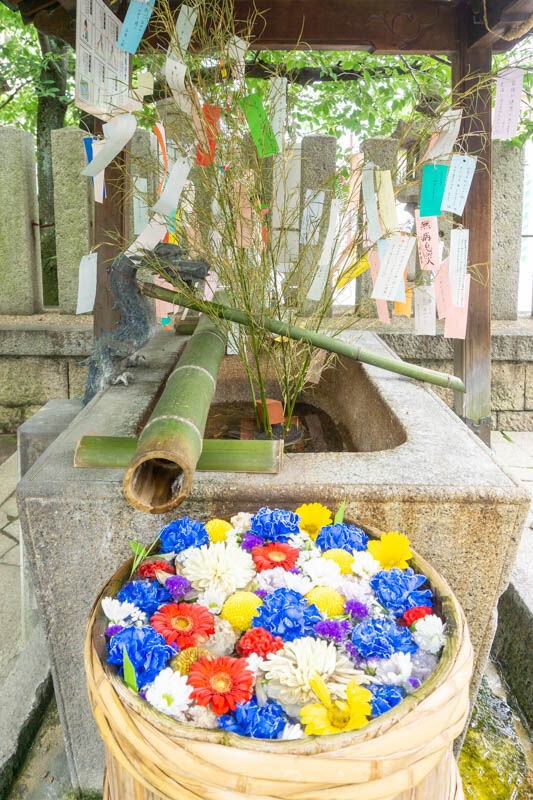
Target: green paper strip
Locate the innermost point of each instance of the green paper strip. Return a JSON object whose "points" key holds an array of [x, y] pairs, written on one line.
{"points": [[129, 672], [260, 128], [339, 516]]}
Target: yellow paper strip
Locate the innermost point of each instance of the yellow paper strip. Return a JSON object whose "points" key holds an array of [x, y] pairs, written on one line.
{"points": [[354, 271]]}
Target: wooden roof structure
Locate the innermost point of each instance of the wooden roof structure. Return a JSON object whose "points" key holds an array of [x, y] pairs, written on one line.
{"points": [[456, 28]]}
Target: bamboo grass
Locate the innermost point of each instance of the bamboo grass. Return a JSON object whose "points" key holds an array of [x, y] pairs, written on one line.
{"points": [[320, 340], [218, 455], [404, 753], [160, 474]]}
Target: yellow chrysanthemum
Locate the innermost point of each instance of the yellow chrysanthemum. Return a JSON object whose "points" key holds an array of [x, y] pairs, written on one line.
{"points": [[313, 517], [217, 529], [338, 715], [184, 660], [392, 550], [240, 609], [327, 600], [341, 557]]}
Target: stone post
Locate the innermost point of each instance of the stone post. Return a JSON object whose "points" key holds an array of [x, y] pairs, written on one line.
{"points": [[507, 199], [74, 212], [20, 251]]}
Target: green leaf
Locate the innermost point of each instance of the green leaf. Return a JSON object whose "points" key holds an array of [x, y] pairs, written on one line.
{"points": [[138, 548], [339, 516], [129, 672]]}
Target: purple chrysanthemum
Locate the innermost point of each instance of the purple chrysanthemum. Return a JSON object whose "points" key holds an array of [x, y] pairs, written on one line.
{"points": [[333, 629], [114, 629], [355, 609], [250, 540], [261, 593], [352, 652], [178, 586]]}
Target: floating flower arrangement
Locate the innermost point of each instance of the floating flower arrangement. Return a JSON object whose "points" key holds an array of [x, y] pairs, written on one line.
{"points": [[276, 625]]}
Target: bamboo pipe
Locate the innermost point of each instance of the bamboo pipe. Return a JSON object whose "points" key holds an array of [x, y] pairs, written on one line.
{"points": [[160, 474], [313, 338]]}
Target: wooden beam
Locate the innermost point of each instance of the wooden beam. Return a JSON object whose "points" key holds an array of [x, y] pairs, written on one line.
{"points": [[380, 26], [503, 17], [473, 356]]}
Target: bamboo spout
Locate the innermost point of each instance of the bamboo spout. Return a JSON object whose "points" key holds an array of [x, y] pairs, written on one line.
{"points": [[160, 474]]}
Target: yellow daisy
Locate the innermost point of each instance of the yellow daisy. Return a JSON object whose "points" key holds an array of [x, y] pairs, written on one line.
{"points": [[392, 550], [335, 716], [217, 529], [313, 517]]}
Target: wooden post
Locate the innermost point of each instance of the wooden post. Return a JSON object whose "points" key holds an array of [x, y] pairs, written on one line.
{"points": [[473, 356], [111, 229]]}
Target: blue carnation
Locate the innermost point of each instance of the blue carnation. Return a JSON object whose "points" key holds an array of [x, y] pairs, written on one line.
{"points": [[251, 719], [342, 537], [146, 595], [183, 533], [380, 638], [147, 651], [285, 613], [384, 698], [397, 590], [275, 525]]}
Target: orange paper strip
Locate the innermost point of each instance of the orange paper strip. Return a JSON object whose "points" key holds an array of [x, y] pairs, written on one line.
{"points": [[161, 138]]}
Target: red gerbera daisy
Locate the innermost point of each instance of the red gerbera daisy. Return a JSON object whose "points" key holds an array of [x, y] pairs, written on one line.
{"points": [[259, 641], [147, 570], [273, 555], [223, 682], [188, 624]]}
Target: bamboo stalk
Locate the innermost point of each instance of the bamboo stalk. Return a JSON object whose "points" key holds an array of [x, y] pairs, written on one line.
{"points": [[160, 474], [218, 455], [320, 340]]}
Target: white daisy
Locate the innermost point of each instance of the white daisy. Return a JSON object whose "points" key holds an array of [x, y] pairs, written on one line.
{"points": [[212, 600], [364, 565], [255, 663], [170, 693], [291, 731], [219, 566], [123, 613], [222, 642], [242, 522], [323, 572], [429, 633], [278, 578], [395, 670], [201, 717]]}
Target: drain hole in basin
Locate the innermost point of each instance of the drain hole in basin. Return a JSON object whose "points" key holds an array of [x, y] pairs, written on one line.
{"points": [[157, 483]]}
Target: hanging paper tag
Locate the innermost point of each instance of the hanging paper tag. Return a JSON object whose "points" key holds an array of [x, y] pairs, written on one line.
{"points": [[324, 264], [234, 337], [443, 296], [170, 196], [425, 318], [162, 307], [354, 271], [458, 261], [243, 210], [150, 236], [371, 203], [404, 309], [210, 287], [117, 134], [184, 26], [392, 267], [260, 127], [433, 183], [312, 217], [159, 131], [277, 102], [236, 52], [507, 105], [427, 235], [458, 183], [140, 206], [134, 25], [145, 85], [87, 283], [448, 130], [175, 72], [457, 317], [386, 201], [207, 135], [381, 305]]}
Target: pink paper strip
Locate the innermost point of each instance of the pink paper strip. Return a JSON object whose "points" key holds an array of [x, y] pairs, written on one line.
{"points": [[381, 305], [162, 307], [427, 238], [211, 283], [443, 293], [456, 321], [243, 209]]}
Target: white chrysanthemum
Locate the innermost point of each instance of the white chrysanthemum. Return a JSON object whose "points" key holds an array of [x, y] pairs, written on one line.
{"points": [[300, 540], [233, 537], [323, 572], [395, 670], [170, 693], [123, 613], [364, 565], [220, 567], [182, 556], [291, 731], [212, 600], [429, 633], [278, 578], [242, 522], [356, 589], [290, 669], [307, 555], [300, 583], [255, 663], [201, 717], [222, 642]]}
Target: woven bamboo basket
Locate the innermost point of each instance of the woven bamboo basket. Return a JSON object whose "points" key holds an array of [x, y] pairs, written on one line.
{"points": [[405, 754]]}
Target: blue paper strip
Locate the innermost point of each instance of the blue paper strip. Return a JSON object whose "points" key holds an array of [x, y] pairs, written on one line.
{"points": [[88, 144], [134, 25], [433, 183]]}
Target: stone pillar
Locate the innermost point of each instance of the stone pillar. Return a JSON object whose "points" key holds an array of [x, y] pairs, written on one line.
{"points": [[20, 251], [74, 212], [507, 199]]}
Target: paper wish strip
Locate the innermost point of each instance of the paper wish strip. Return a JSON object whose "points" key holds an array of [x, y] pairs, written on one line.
{"points": [[458, 183], [433, 183], [259, 125], [425, 308], [458, 261], [170, 196], [371, 203], [427, 237], [159, 131], [175, 72], [457, 317], [386, 201], [134, 25], [324, 264], [243, 210], [506, 117], [392, 267], [153, 234], [312, 216], [184, 27], [207, 132], [381, 305], [237, 52], [117, 134], [87, 283], [443, 295], [277, 103], [448, 131]]}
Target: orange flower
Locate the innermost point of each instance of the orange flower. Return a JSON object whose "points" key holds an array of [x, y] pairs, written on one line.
{"points": [[223, 682], [273, 555], [187, 624]]}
